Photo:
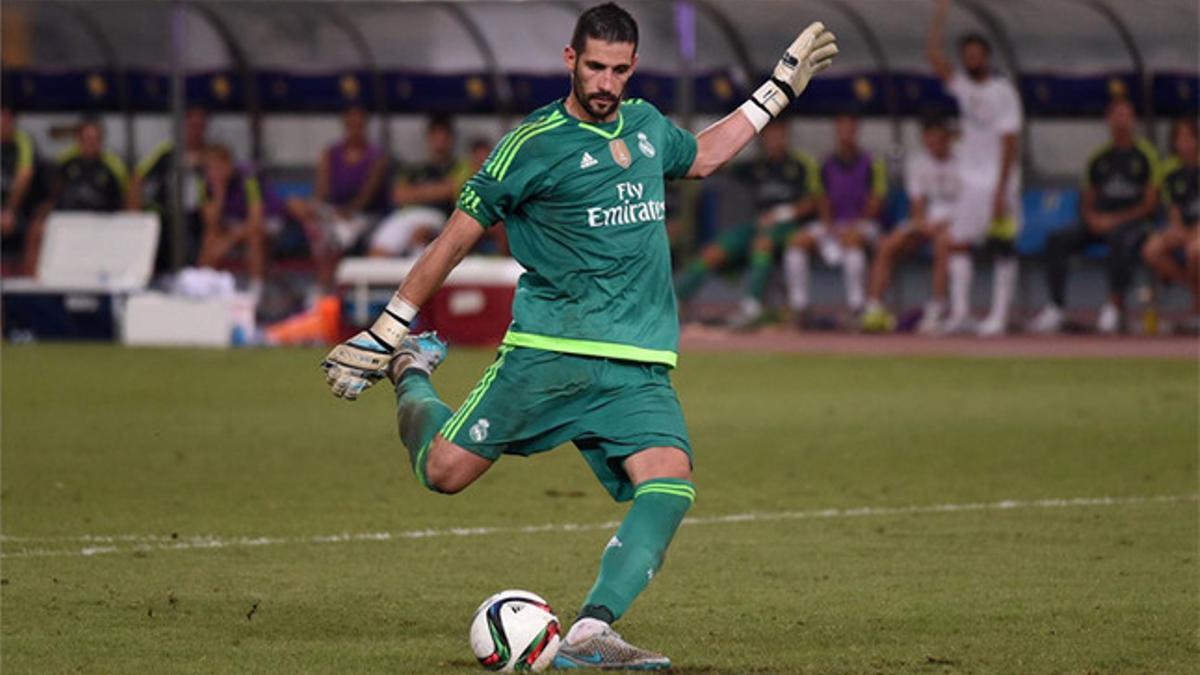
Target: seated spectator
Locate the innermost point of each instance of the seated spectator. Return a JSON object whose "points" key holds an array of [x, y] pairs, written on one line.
{"points": [[931, 179], [233, 211], [1181, 238], [17, 184], [786, 186], [347, 195], [423, 195], [88, 178], [1120, 196], [150, 186], [855, 185]]}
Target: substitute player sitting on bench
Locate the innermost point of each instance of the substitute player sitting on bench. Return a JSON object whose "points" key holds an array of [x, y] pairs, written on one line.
{"points": [[931, 179], [1120, 196], [1181, 238], [787, 188], [855, 184]]}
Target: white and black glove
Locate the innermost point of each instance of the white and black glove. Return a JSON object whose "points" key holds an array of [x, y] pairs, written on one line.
{"points": [[361, 361], [812, 52]]}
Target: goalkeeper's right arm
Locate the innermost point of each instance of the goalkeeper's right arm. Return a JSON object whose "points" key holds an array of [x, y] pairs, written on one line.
{"points": [[359, 362], [809, 54]]}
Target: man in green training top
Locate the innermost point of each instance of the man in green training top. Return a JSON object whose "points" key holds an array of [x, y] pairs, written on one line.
{"points": [[595, 331]]}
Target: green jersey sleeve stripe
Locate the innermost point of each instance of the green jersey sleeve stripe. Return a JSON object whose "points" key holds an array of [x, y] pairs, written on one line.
{"points": [[502, 164], [503, 169], [516, 138], [610, 350], [511, 136], [502, 146]]}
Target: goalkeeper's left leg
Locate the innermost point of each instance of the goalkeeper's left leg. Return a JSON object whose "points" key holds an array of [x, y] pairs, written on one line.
{"points": [[438, 464], [663, 492]]}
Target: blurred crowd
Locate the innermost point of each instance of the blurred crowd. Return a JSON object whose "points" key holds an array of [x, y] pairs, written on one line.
{"points": [[962, 187], [963, 190], [362, 202]]}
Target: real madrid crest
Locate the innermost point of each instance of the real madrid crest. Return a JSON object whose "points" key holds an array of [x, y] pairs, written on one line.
{"points": [[645, 146], [620, 153]]}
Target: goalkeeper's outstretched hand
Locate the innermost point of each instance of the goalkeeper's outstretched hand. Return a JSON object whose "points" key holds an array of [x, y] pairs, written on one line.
{"points": [[812, 52], [363, 360], [356, 364]]}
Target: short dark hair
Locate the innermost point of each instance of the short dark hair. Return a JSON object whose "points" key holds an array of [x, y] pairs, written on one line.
{"points": [[934, 119], [89, 120], [976, 39], [220, 152], [440, 121], [606, 22]]}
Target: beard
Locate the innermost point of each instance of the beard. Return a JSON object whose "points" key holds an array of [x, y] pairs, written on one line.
{"points": [[600, 104], [977, 73]]}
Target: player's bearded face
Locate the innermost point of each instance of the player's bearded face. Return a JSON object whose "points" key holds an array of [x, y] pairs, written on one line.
{"points": [[975, 60], [600, 75]]}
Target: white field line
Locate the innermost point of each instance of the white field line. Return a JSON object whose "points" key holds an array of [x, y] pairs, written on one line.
{"points": [[33, 547]]}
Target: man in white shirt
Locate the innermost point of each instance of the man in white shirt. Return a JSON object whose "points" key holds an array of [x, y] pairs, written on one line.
{"points": [[931, 181], [989, 205]]}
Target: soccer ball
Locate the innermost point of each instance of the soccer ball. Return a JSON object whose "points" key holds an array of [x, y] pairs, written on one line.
{"points": [[515, 631]]}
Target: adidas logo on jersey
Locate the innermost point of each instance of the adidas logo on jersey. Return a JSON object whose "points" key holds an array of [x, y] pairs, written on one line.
{"points": [[588, 161]]}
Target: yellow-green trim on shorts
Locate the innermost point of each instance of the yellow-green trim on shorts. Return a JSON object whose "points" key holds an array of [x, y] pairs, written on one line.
{"points": [[454, 424], [609, 350]]}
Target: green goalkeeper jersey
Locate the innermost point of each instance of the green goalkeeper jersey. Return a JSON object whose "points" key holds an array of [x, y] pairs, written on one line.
{"points": [[584, 209]]}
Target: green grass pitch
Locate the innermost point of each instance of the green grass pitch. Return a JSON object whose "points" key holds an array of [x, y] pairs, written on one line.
{"points": [[158, 448]]}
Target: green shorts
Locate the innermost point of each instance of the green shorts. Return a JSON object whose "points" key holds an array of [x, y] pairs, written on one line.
{"points": [[738, 242], [531, 400]]}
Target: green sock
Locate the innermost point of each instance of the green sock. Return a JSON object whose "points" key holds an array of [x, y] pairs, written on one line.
{"points": [[635, 553], [760, 272], [693, 279], [420, 414]]}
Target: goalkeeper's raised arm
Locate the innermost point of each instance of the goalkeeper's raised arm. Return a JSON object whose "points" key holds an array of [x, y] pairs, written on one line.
{"points": [[811, 52]]}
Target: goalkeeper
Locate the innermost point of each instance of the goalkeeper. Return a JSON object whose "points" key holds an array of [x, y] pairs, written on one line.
{"points": [[594, 335]]}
